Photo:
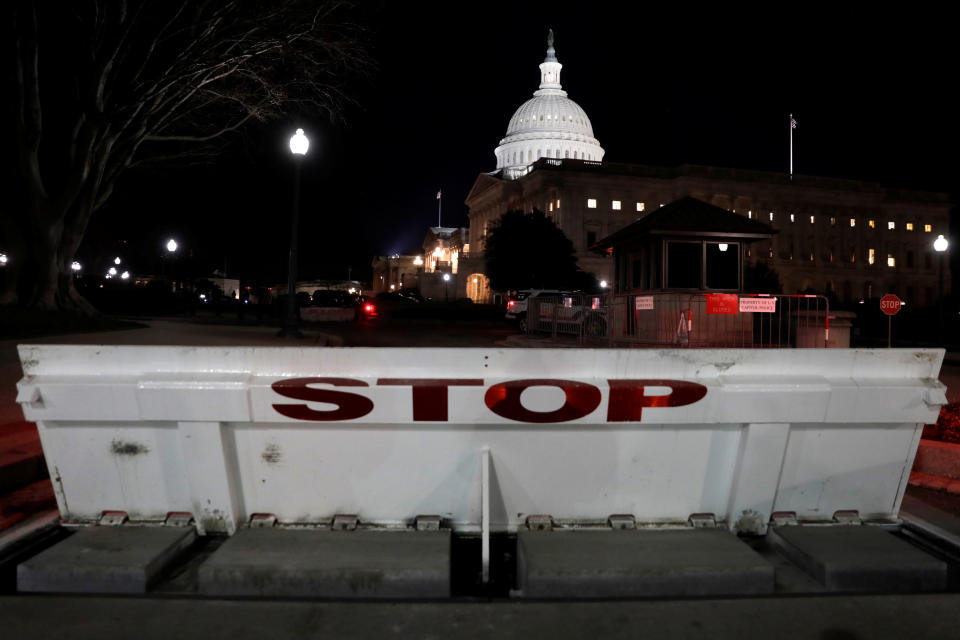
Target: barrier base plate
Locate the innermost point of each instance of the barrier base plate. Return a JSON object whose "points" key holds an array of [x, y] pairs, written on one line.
{"points": [[329, 564], [859, 558], [105, 560], [637, 563]]}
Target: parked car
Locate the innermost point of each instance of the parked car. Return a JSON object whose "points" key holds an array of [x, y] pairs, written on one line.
{"points": [[329, 305], [517, 304]]}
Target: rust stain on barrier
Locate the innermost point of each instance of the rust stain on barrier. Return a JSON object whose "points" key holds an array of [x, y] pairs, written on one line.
{"points": [[271, 454], [120, 448]]}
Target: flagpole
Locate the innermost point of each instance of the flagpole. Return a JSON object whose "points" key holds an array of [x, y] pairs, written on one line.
{"points": [[791, 146], [439, 206]]}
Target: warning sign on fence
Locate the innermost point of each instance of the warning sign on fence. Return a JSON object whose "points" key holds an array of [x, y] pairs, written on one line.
{"points": [[722, 304], [758, 305], [644, 303]]}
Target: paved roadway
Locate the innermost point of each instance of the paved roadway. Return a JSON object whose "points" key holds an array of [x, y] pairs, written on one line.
{"points": [[822, 618]]}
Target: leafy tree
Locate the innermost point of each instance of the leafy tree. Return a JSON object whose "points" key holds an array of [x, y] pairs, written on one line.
{"points": [[525, 251], [761, 278], [103, 85]]}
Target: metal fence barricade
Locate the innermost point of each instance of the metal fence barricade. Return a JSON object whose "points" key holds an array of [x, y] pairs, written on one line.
{"points": [[703, 320]]}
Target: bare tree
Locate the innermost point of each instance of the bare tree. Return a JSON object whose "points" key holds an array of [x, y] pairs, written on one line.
{"points": [[102, 85]]}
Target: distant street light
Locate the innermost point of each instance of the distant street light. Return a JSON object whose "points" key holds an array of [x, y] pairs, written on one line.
{"points": [[3, 259], [446, 287], [75, 266], [116, 260], [299, 143], [171, 245], [125, 275], [940, 246], [603, 284], [112, 271]]}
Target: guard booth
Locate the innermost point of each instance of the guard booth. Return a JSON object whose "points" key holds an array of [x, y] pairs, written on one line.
{"points": [[685, 246], [679, 279], [488, 441]]}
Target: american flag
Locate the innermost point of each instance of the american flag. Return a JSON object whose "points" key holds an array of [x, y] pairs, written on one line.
{"points": [[793, 123], [438, 195]]}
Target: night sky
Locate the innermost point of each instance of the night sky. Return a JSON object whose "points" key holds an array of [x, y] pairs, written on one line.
{"points": [[871, 94]]}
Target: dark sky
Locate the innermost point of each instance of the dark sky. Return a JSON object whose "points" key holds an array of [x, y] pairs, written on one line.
{"points": [[871, 94]]}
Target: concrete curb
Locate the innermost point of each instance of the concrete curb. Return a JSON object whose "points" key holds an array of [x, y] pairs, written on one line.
{"points": [[935, 482], [938, 459]]}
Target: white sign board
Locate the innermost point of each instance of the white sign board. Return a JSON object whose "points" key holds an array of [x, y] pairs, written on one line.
{"points": [[758, 305], [644, 303]]}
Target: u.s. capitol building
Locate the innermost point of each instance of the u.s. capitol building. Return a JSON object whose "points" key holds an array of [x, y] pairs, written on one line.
{"points": [[852, 238]]}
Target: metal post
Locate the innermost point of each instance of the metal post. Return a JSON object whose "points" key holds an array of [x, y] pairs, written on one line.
{"points": [[290, 328], [940, 301], [889, 330]]}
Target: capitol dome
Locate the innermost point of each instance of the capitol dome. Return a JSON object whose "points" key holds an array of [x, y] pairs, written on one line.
{"points": [[549, 125]]}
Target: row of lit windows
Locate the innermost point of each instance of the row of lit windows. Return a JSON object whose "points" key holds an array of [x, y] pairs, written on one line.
{"points": [[550, 153], [615, 205], [891, 225], [562, 118], [550, 205], [871, 257]]}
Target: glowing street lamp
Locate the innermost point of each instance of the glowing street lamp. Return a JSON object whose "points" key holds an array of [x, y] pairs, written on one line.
{"points": [[446, 287], [125, 275], [3, 259], [171, 245], [75, 266], [299, 143], [116, 260], [940, 245], [112, 271], [603, 284]]}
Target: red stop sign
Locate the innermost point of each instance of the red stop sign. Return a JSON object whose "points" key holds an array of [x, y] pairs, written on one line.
{"points": [[890, 304]]}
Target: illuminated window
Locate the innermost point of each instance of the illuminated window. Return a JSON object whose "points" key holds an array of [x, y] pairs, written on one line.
{"points": [[811, 219], [871, 256], [792, 218], [615, 205], [770, 252], [891, 261], [750, 214], [853, 222], [872, 224], [909, 226], [928, 228], [771, 216], [833, 222], [550, 207], [591, 203], [891, 225], [639, 206], [558, 203]]}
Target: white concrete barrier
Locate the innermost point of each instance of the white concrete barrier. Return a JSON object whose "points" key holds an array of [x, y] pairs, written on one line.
{"points": [[483, 438]]}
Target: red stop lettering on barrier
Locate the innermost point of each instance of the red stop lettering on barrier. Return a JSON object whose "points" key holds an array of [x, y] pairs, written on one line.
{"points": [[349, 405], [628, 398], [504, 400], [430, 398]]}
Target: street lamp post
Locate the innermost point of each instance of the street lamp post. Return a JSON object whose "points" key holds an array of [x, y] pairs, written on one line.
{"points": [[446, 287], [171, 249], [940, 246], [299, 144]]}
